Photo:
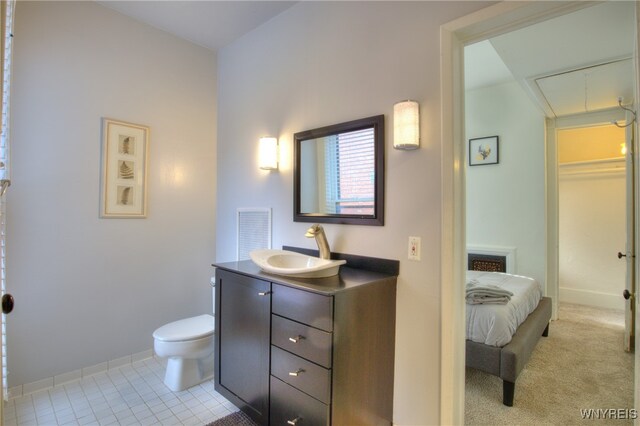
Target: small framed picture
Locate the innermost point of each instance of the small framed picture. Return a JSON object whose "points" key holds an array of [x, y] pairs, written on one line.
{"points": [[124, 169], [483, 151]]}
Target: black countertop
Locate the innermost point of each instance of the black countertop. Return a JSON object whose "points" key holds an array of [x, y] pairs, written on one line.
{"points": [[347, 279]]}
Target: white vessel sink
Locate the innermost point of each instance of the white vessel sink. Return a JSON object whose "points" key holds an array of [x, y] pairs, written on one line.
{"points": [[292, 264]]}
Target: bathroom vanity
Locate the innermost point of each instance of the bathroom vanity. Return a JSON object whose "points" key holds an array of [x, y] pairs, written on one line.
{"points": [[300, 351]]}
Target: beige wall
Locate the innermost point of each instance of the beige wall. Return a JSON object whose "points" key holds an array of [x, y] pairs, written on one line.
{"points": [[87, 289], [590, 143]]}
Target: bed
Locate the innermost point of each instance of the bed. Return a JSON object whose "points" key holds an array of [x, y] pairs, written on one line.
{"points": [[501, 343]]}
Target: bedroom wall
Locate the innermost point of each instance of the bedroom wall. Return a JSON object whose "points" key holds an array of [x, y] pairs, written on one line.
{"points": [[505, 201], [87, 289], [322, 63]]}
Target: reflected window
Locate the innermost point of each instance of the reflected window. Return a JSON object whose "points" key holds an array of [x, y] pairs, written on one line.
{"points": [[350, 175]]}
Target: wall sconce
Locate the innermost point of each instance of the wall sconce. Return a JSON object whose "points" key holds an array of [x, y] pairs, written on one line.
{"points": [[268, 153], [406, 125]]}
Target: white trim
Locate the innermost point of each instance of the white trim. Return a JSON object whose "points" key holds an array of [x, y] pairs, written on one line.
{"points": [[94, 369], [552, 220], [591, 298], [481, 25], [508, 252], [69, 377], [610, 166], [592, 171], [29, 388], [61, 379], [118, 362], [636, 161], [452, 333], [611, 162], [591, 119]]}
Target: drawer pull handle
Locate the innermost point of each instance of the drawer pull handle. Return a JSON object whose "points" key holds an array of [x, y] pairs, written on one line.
{"points": [[297, 372], [264, 293], [296, 339], [294, 422]]}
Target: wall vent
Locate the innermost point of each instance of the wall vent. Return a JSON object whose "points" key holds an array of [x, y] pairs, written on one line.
{"points": [[254, 230], [504, 256]]}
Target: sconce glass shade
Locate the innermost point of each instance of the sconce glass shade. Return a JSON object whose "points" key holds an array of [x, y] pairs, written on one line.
{"points": [[268, 153], [406, 125]]}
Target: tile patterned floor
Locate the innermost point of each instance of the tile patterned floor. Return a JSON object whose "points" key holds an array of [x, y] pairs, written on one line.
{"points": [[129, 395]]}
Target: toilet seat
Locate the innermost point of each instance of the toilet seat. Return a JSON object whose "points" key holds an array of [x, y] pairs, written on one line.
{"points": [[186, 329]]}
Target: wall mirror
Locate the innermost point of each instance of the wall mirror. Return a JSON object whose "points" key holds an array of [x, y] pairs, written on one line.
{"points": [[339, 173]]}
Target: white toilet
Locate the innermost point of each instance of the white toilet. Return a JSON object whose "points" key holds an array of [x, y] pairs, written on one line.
{"points": [[188, 343]]}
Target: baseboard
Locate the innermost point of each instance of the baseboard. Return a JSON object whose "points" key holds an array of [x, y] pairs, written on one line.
{"points": [[592, 298], [72, 376]]}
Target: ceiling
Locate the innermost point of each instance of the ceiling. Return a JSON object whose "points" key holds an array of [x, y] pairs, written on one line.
{"points": [[579, 62], [211, 24], [576, 63]]}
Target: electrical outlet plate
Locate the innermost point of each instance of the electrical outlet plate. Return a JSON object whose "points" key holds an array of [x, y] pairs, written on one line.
{"points": [[414, 248]]}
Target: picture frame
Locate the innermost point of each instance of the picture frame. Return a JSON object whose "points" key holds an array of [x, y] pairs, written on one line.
{"points": [[125, 156], [484, 151]]}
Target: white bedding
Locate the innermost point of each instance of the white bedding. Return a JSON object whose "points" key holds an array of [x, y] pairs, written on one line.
{"points": [[495, 324]]}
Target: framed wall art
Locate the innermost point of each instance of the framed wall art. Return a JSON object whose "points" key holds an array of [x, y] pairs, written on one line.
{"points": [[125, 156], [483, 151]]}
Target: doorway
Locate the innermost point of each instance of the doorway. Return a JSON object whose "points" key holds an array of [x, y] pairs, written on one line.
{"points": [[592, 226], [498, 19]]}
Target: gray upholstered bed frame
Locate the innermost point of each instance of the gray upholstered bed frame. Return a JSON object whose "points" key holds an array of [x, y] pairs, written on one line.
{"points": [[508, 361]]}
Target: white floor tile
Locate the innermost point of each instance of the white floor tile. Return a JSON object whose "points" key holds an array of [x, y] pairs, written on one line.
{"points": [[222, 411], [67, 411], [107, 420], [47, 420], [88, 419], [66, 419], [129, 395], [192, 421], [41, 412]]}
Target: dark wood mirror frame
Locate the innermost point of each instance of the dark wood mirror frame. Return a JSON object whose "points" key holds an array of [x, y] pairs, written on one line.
{"points": [[377, 218]]}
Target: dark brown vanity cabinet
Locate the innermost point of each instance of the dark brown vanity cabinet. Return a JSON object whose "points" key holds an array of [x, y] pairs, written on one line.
{"points": [[242, 342], [321, 354]]}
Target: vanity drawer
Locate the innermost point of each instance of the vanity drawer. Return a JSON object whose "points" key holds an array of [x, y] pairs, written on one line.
{"points": [[302, 340], [301, 374], [310, 308], [289, 406]]}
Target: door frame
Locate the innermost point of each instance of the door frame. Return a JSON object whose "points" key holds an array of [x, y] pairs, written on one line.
{"points": [[636, 170], [494, 20]]}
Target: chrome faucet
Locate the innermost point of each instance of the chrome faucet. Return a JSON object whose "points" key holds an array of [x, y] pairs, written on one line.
{"points": [[316, 231]]}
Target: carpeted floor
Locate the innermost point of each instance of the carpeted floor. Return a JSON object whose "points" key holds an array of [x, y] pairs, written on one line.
{"points": [[581, 365]]}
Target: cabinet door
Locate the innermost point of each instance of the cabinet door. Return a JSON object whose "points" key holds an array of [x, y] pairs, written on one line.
{"points": [[243, 347]]}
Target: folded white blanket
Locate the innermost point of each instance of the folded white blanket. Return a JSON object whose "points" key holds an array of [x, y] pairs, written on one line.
{"points": [[477, 293], [471, 300], [494, 324]]}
